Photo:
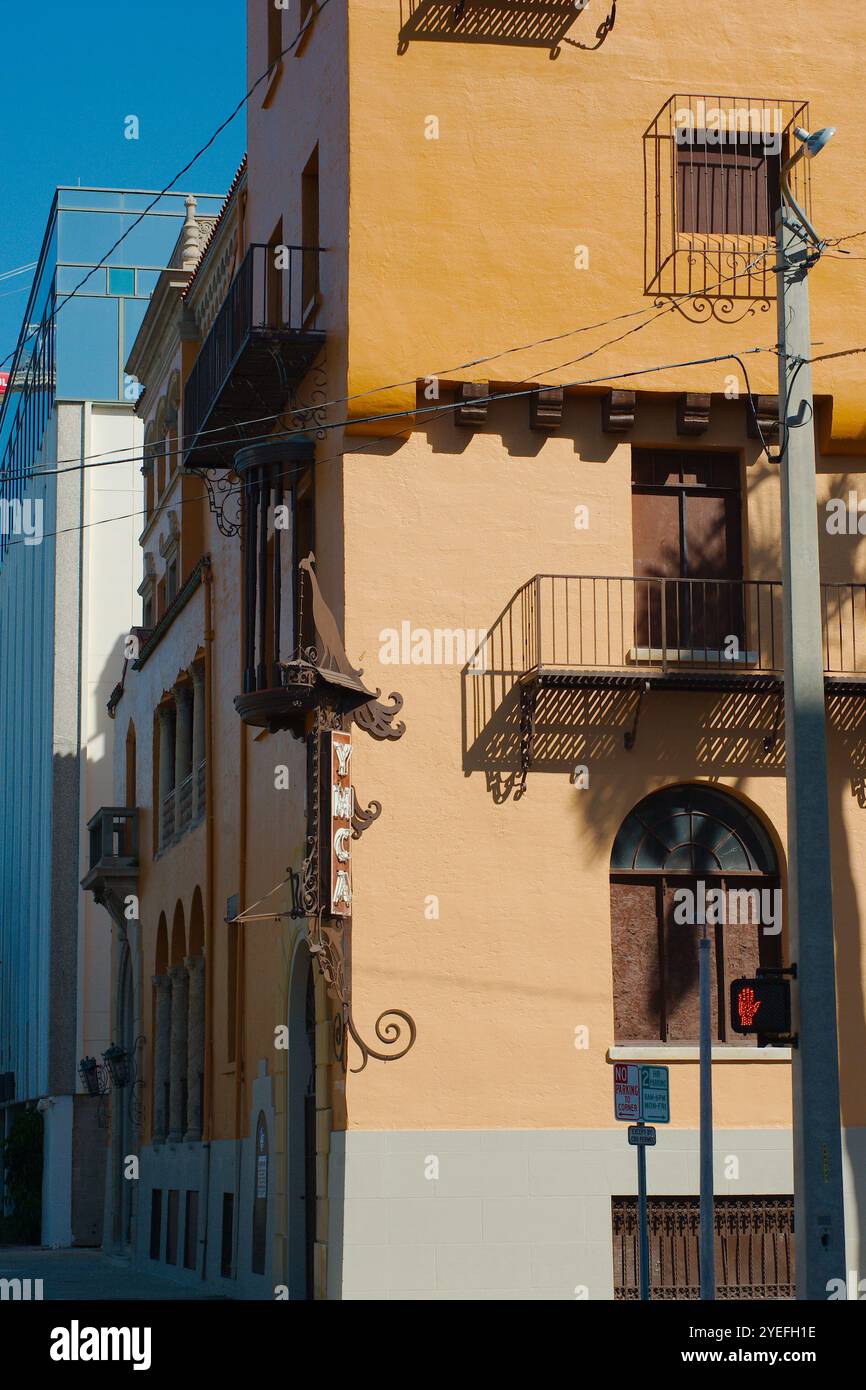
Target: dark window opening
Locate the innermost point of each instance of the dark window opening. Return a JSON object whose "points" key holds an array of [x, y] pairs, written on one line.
{"points": [[171, 1226], [190, 1231], [275, 274], [155, 1222], [227, 1231], [727, 185], [310, 231], [171, 582]]}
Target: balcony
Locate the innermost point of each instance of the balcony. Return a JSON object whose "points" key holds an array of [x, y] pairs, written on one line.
{"points": [[113, 872], [261, 344], [633, 634], [293, 659], [167, 819]]}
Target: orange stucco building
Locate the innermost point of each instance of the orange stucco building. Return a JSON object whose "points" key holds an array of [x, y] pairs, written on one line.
{"points": [[487, 327]]}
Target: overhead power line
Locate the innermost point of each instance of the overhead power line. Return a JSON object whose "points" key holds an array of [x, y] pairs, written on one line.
{"points": [[438, 410], [104, 460]]}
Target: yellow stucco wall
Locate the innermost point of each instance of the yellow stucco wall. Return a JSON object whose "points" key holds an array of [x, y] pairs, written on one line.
{"points": [[520, 955], [464, 245]]}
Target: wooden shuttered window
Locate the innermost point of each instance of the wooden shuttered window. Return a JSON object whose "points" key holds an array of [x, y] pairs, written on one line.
{"points": [[686, 525], [727, 187]]}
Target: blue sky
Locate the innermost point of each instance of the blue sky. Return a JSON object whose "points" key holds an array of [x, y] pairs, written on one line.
{"points": [[69, 75]]}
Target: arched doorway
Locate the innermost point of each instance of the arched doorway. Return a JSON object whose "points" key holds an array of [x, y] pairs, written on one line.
{"points": [[302, 1127], [683, 856]]}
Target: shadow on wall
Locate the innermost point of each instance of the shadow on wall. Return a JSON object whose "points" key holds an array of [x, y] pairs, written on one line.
{"points": [[587, 727], [520, 23]]}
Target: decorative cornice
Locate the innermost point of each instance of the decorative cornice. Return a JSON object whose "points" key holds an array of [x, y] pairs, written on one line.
{"points": [[472, 400], [617, 411], [693, 413], [239, 177], [173, 611], [545, 408]]}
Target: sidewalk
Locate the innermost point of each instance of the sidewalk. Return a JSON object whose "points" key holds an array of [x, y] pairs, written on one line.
{"points": [[86, 1275]]}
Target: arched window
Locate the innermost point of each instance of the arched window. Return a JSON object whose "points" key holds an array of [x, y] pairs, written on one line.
{"points": [[683, 858]]}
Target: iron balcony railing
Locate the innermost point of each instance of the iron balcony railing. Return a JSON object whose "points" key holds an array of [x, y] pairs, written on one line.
{"points": [[275, 291], [113, 834], [659, 625], [167, 819], [710, 197], [184, 802]]}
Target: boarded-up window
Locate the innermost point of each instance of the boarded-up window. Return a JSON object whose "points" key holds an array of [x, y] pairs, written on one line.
{"points": [[656, 995], [685, 856], [634, 925], [727, 186]]}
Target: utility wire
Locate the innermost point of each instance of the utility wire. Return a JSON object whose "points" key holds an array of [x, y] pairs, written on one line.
{"points": [[104, 460], [437, 410]]}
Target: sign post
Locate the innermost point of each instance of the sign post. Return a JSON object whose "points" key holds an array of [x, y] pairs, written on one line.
{"points": [[643, 1223], [641, 1094]]}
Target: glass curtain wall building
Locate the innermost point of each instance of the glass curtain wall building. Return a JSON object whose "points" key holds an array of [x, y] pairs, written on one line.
{"points": [[75, 348], [70, 450]]}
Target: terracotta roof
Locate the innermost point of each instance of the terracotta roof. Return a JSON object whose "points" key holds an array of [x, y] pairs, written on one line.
{"points": [[241, 170]]}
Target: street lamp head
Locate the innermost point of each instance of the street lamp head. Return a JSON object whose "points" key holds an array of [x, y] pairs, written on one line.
{"points": [[814, 144]]}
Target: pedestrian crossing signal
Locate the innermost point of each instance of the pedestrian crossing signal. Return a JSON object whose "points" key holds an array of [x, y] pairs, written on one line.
{"points": [[761, 1004]]}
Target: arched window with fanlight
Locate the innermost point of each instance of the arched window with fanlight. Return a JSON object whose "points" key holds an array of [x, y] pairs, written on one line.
{"points": [[685, 856]]}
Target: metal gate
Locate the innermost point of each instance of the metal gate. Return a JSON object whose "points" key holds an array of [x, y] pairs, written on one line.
{"points": [[754, 1245]]}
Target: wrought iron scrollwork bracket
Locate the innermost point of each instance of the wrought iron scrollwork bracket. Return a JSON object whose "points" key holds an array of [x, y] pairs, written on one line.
{"points": [[362, 819], [528, 700], [629, 738], [768, 742], [224, 497]]}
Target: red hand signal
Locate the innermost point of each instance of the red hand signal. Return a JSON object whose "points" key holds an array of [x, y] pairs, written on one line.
{"points": [[747, 1006]]}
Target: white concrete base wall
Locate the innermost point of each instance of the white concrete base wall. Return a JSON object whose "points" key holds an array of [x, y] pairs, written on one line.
{"points": [[512, 1214], [224, 1166]]}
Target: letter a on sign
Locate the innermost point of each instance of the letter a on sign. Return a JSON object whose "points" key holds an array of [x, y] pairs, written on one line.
{"points": [[340, 805]]}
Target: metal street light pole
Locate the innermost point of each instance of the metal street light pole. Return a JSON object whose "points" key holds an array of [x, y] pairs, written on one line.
{"points": [[818, 1205], [707, 1261]]}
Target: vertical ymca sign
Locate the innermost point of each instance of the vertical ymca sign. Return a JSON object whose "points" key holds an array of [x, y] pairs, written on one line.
{"points": [[340, 811]]}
